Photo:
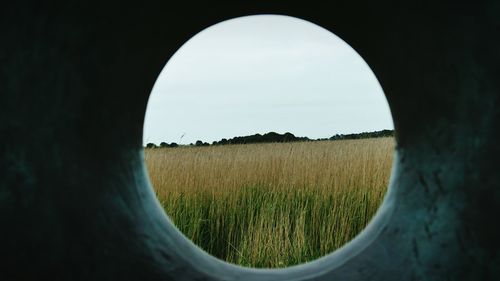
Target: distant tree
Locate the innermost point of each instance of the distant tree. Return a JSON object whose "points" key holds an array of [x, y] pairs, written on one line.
{"points": [[364, 135], [266, 138], [163, 144], [151, 145], [288, 137], [173, 144]]}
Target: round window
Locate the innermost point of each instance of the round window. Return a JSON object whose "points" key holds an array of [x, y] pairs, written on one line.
{"points": [[268, 141]]}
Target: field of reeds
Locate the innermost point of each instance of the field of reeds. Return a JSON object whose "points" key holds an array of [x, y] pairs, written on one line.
{"points": [[275, 204]]}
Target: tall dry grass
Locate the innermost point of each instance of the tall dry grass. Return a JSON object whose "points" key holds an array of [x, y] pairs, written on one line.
{"points": [[272, 205]]}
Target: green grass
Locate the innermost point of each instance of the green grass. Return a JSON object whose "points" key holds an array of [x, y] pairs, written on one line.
{"points": [[272, 205]]}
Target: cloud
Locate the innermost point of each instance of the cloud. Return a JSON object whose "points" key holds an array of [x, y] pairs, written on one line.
{"points": [[263, 73]]}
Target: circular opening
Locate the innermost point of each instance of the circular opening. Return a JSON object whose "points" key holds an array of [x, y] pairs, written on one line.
{"points": [[268, 141]]}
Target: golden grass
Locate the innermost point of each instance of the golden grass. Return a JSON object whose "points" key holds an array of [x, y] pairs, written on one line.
{"points": [[272, 205]]}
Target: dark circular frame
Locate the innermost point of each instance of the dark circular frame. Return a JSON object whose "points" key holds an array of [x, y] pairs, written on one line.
{"points": [[307, 271], [75, 198]]}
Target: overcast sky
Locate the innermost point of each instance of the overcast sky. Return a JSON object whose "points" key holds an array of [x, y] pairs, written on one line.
{"points": [[264, 73]]}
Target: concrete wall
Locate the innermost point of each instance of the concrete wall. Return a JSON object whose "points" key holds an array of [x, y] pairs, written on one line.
{"points": [[75, 200]]}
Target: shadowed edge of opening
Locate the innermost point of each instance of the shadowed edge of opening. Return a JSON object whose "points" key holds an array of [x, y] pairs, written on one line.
{"points": [[199, 263]]}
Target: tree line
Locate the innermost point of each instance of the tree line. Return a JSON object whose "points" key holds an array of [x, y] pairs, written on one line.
{"points": [[276, 137]]}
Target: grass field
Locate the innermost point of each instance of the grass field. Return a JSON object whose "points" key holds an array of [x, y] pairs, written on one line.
{"points": [[272, 205]]}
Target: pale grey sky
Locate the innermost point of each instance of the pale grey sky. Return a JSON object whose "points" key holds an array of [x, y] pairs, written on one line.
{"points": [[264, 73]]}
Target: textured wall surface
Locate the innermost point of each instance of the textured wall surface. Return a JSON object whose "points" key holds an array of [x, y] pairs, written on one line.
{"points": [[75, 199]]}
